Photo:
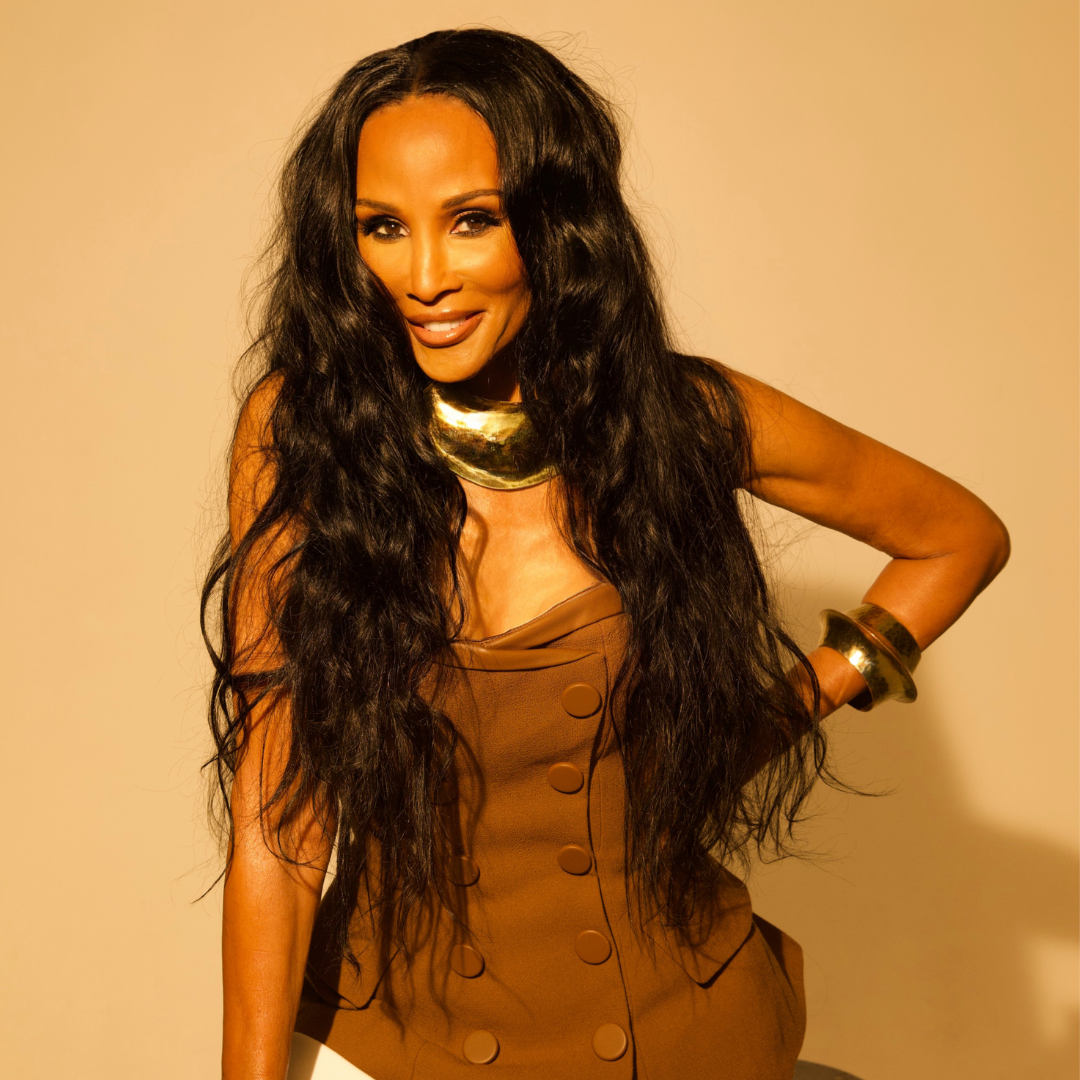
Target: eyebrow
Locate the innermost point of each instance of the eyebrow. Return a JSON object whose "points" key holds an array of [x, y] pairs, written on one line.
{"points": [[449, 204], [458, 200]]}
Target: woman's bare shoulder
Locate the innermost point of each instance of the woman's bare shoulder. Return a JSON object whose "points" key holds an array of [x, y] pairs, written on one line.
{"points": [[251, 471], [757, 399], [253, 425], [788, 439]]}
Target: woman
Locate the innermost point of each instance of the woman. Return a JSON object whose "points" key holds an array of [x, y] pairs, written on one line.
{"points": [[494, 632]]}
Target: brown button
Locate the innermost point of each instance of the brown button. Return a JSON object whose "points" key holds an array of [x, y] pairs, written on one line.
{"points": [[481, 1047], [565, 777], [609, 1042], [581, 699], [574, 859], [591, 946], [463, 871], [446, 792], [466, 961]]}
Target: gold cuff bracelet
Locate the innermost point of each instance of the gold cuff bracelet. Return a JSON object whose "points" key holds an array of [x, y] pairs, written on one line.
{"points": [[879, 647]]}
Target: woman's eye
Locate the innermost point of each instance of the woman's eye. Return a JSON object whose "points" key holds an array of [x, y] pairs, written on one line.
{"points": [[474, 222], [382, 228]]}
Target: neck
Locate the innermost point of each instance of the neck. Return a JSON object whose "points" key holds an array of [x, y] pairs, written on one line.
{"points": [[497, 380]]}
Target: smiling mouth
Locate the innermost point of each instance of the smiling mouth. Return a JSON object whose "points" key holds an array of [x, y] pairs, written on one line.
{"points": [[442, 326], [451, 329]]}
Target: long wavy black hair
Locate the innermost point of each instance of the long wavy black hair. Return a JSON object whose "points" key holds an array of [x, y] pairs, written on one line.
{"points": [[719, 749]]}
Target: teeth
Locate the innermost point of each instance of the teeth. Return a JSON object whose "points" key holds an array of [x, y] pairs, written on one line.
{"points": [[441, 326]]}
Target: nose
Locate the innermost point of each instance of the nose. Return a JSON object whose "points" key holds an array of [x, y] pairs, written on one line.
{"points": [[431, 274]]}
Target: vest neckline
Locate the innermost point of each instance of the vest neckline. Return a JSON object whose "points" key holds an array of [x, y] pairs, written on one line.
{"points": [[589, 605]]}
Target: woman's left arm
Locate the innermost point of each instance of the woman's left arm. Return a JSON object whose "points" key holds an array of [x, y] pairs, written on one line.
{"points": [[946, 545]]}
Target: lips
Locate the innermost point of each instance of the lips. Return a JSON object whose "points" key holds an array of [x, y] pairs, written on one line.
{"points": [[444, 328]]}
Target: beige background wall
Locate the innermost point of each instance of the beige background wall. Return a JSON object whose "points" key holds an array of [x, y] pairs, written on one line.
{"points": [[871, 204]]}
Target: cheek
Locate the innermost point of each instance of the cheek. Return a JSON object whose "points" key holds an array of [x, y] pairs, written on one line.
{"points": [[384, 261], [499, 271]]}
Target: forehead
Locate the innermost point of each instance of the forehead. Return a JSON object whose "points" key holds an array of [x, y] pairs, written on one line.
{"points": [[429, 147]]}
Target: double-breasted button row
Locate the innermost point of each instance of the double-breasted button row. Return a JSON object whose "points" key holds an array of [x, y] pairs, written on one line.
{"points": [[609, 1041], [609, 1044], [578, 699]]}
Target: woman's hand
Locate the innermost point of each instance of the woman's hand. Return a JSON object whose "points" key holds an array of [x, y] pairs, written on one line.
{"points": [[946, 545]]}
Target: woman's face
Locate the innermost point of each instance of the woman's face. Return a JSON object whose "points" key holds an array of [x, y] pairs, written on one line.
{"points": [[431, 228]]}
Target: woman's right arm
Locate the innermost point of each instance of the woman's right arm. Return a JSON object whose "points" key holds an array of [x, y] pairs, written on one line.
{"points": [[269, 902], [269, 912]]}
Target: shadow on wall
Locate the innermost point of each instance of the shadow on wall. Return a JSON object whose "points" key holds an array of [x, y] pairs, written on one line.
{"points": [[922, 925]]}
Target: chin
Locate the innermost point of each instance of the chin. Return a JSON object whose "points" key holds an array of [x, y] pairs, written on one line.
{"points": [[449, 371]]}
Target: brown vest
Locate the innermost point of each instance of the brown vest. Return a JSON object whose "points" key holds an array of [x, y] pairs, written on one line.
{"points": [[540, 971]]}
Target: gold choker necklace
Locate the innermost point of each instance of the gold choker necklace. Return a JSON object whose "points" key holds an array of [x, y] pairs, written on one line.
{"points": [[491, 443]]}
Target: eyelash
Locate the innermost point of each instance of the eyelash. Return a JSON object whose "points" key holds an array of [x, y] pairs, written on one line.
{"points": [[485, 220], [482, 218]]}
